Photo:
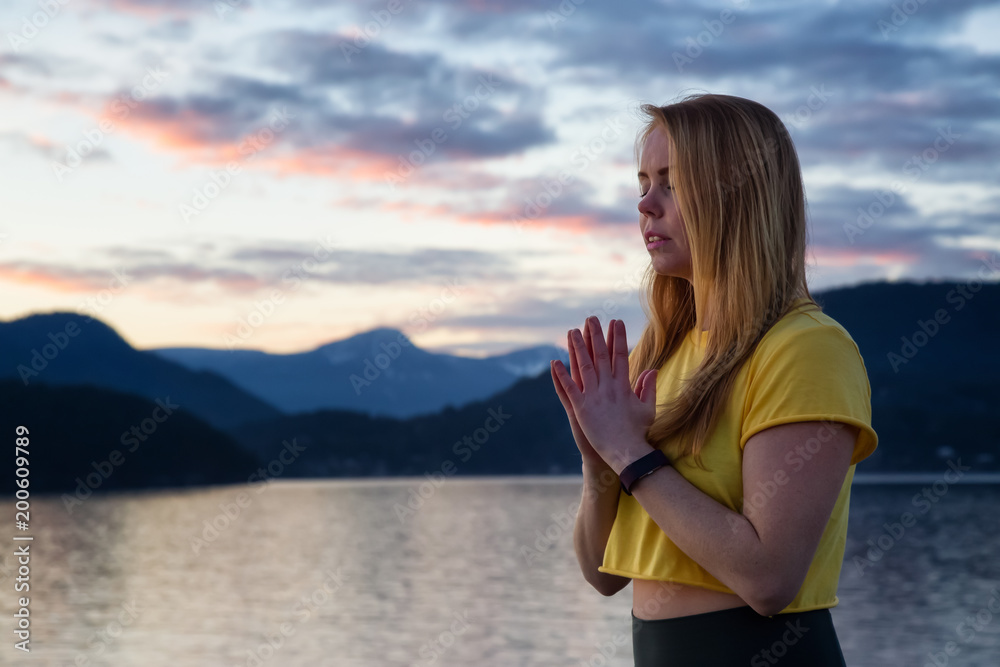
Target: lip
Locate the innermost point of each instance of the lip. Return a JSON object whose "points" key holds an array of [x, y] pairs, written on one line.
{"points": [[650, 245]]}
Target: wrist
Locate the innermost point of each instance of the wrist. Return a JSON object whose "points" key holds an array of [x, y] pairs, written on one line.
{"points": [[597, 481], [632, 452], [644, 467]]}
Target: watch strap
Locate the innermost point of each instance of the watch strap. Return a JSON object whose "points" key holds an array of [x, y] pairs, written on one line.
{"points": [[641, 467]]}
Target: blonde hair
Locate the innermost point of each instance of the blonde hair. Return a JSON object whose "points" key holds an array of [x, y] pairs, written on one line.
{"points": [[738, 186]]}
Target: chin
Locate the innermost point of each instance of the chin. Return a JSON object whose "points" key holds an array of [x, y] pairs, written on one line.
{"points": [[672, 270]]}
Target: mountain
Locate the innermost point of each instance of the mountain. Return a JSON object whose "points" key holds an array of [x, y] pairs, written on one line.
{"points": [[82, 439], [930, 404], [929, 348], [70, 349], [378, 372]]}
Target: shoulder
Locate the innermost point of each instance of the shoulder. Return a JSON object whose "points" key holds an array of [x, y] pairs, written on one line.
{"points": [[806, 329]]}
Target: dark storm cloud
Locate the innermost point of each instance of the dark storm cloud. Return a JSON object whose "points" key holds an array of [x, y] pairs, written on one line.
{"points": [[381, 102], [384, 100], [840, 49]]}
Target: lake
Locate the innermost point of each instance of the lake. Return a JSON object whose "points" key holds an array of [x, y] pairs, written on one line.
{"points": [[480, 572]]}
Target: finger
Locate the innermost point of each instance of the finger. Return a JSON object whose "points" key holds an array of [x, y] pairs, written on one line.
{"points": [[639, 384], [560, 391], [647, 383], [588, 373], [601, 355], [586, 338], [611, 343], [619, 352], [573, 393], [574, 361]]}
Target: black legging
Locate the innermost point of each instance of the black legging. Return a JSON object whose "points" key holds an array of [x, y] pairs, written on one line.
{"points": [[738, 637]]}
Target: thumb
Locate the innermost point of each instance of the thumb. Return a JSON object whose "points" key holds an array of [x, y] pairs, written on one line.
{"points": [[648, 394]]}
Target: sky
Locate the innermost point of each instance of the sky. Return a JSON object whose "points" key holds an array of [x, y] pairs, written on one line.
{"points": [[279, 175]]}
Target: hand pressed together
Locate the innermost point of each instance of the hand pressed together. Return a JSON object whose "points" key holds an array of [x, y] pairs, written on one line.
{"points": [[609, 420]]}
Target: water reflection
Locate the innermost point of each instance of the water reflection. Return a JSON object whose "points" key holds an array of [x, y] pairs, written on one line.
{"points": [[481, 572]]}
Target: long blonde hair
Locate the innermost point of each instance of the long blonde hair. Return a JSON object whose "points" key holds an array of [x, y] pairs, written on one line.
{"points": [[738, 186]]}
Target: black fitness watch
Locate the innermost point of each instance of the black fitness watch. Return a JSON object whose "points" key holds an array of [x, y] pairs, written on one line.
{"points": [[641, 467]]}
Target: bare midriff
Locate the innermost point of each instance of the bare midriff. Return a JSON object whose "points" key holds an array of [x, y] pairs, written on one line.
{"points": [[652, 599]]}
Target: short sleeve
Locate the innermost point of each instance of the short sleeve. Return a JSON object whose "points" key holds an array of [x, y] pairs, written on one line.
{"points": [[814, 374]]}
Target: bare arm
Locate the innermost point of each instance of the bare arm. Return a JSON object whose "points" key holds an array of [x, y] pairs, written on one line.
{"points": [[601, 486], [598, 508], [763, 555]]}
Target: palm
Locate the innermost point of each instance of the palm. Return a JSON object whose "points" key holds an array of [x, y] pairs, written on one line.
{"points": [[588, 452]]}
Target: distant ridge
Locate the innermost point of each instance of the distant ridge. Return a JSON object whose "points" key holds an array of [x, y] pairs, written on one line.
{"points": [[377, 372], [63, 348], [930, 350]]}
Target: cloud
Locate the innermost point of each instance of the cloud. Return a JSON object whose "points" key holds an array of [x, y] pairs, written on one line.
{"points": [[363, 119], [249, 268]]}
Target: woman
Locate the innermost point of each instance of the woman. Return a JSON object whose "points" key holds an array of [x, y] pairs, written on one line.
{"points": [[760, 402]]}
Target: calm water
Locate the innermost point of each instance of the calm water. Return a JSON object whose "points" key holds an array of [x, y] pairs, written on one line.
{"points": [[331, 573]]}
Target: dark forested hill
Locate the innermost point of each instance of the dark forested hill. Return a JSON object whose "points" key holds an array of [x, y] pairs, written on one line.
{"points": [[85, 438], [930, 350]]}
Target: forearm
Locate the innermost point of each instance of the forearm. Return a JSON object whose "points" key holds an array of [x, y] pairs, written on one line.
{"points": [[721, 540], [594, 519]]}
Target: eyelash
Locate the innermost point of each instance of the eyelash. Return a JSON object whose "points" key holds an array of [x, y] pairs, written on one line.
{"points": [[643, 194]]}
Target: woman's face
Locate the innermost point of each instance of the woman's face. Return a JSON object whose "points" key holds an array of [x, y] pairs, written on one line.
{"points": [[658, 212]]}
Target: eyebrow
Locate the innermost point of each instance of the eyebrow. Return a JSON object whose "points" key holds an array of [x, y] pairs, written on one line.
{"points": [[661, 172]]}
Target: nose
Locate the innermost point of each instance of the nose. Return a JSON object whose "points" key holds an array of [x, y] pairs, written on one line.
{"points": [[648, 205]]}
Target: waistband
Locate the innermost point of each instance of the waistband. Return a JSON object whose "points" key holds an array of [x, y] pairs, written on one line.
{"points": [[737, 636]]}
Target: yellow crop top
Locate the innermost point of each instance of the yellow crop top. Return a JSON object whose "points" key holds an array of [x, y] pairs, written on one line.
{"points": [[805, 368]]}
